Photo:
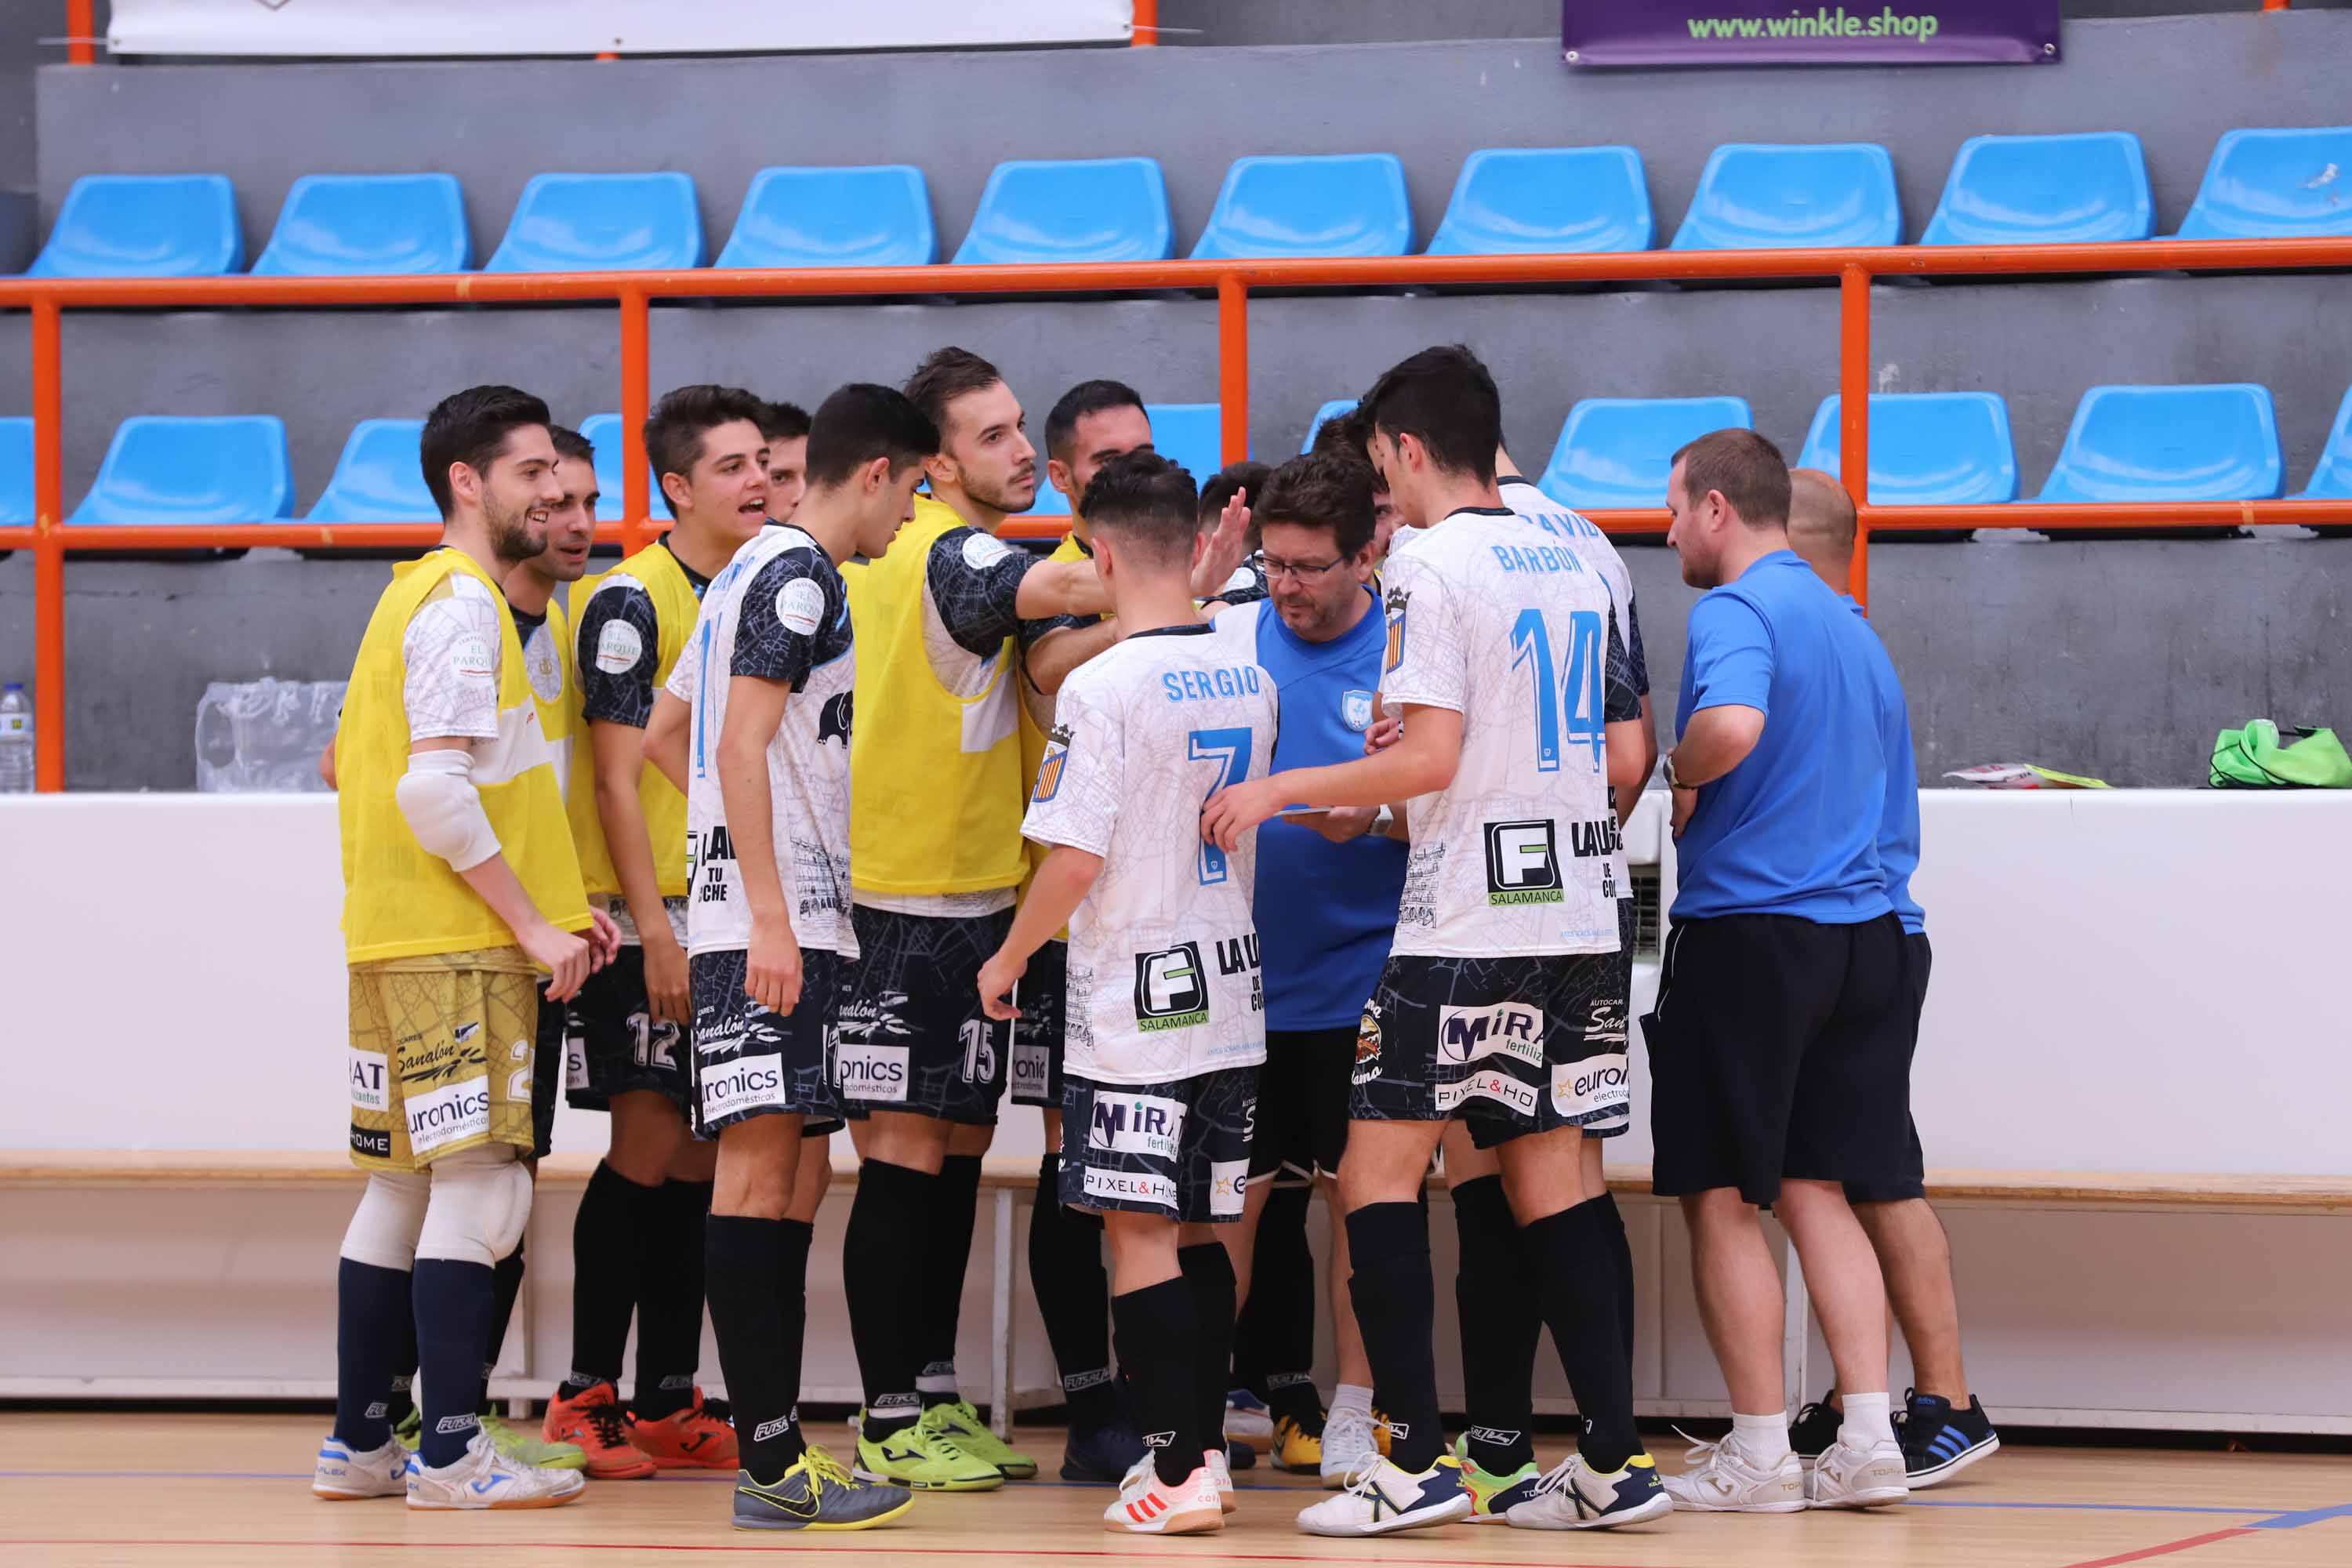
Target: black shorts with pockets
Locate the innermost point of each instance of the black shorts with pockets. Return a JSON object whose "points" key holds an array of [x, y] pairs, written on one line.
{"points": [[1037, 1033], [912, 1035], [748, 1061], [1178, 1150], [1302, 1104], [614, 1045]]}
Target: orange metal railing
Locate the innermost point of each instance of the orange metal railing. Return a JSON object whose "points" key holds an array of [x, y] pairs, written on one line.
{"points": [[51, 538]]}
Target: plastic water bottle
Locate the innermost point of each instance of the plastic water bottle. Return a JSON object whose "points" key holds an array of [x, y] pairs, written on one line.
{"points": [[15, 740]]}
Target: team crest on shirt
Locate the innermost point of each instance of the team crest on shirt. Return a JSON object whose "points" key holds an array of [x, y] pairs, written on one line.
{"points": [[1056, 758], [1398, 600], [546, 670], [1356, 710]]}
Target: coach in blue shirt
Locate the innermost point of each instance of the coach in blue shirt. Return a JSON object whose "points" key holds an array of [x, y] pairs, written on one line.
{"points": [[1778, 1053], [1328, 888]]}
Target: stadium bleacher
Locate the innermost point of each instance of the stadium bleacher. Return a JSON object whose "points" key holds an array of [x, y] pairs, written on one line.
{"points": [[144, 225], [1756, 197], [2044, 190], [1617, 451], [369, 226], [1346, 204], [378, 478], [601, 223], [1071, 209], [182, 471], [1926, 449], [875, 216], [2169, 443]]}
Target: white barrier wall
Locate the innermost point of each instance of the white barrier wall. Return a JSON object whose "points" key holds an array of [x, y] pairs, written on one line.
{"points": [[2111, 973]]}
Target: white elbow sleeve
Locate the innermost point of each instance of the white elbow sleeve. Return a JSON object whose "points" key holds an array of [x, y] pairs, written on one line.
{"points": [[436, 794]]}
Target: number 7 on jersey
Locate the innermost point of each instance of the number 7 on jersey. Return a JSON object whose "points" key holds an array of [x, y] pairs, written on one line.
{"points": [[1230, 751]]}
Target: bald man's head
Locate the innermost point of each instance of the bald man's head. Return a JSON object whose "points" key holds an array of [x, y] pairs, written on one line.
{"points": [[1821, 524]]}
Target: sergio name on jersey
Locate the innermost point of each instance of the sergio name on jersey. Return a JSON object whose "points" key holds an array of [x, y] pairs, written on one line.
{"points": [[1520, 854], [1164, 979], [778, 611]]}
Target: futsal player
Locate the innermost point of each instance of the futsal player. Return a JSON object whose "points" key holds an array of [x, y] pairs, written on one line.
{"points": [[1943, 1429], [637, 1240], [785, 428], [1326, 910], [1502, 1002], [1166, 1003], [769, 674], [460, 884], [939, 858]]}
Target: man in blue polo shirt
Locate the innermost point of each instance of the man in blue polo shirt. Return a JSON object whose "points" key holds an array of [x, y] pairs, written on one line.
{"points": [[1328, 888], [1779, 1058]]}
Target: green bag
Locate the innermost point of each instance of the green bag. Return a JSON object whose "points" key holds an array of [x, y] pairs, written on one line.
{"points": [[2257, 757]]}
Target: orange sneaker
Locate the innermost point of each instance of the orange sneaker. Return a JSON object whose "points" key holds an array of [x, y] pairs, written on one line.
{"points": [[700, 1436], [593, 1421]]}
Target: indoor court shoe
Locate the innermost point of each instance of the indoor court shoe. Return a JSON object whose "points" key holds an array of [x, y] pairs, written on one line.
{"points": [[1575, 1496], [972, 1435], [1492, 1496], [343, 1476], [1815, 1428], [593, 1423], [926, 1456], [698, 1438], [525, 1449], [409, 1430], [816, 1493], [1221, 1470], [1351, 1439], [488, 1479], [1381, 1498], [1850, 1476], [1941, 1440], [1296, 1448], [1249, 1420], [1102, 1455], [1150, 1506], [1718, 1477]]}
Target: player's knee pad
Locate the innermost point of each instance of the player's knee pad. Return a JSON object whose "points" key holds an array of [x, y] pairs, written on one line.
{"points": [[384, 1227], [480, 1202]]}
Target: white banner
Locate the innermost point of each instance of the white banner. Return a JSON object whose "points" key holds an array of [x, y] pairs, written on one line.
{"points": [[415, 28]]}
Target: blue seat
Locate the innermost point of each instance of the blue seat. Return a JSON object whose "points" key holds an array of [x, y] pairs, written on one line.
{"points": [[876, 215], [603, 433], [144, 225], [1348, 204], [2169, 443], [164, 472], [601, 223], [1618, 451], [1324, 415], [1926, 449], [2331, 478], [1521, 200], [2269, 185], [1191, 434], [1072, 209], [1754, 196], [369, 226], [379, 478], [2084, 189], [17, 505]]}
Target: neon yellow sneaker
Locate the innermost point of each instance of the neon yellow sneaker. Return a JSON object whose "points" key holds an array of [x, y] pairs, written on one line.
{"points": [[526, 1448], [1493, 1496], [972, 1435], [1296, 1448], [925, 1456]]}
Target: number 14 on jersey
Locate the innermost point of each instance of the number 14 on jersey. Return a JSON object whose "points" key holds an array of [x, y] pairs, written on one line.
{"points": [[1567, 696]]}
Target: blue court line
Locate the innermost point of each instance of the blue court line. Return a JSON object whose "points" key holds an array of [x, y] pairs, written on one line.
{"points": [[2308, 1516]]}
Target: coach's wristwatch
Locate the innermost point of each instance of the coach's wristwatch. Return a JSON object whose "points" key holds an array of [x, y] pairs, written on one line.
{"points": [[1671, 782], [1382, 820]]}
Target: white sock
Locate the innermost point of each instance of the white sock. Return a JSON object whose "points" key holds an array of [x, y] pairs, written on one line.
{"points": [[1764, 1439], [1868, 1419], [1351, 1396]]}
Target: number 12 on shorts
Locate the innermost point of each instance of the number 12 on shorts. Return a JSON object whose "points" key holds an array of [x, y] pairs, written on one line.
{"points": [[1574, 694], [1230, 749]]}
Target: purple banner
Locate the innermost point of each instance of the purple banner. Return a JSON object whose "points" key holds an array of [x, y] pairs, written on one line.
{"points": [[1861, 31]]}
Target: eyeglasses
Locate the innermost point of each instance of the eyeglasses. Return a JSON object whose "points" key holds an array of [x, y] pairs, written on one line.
{"points": [[1300, 570]]}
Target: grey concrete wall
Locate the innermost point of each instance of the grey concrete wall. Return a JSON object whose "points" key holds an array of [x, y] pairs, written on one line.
{"points": [[2180, 82]]}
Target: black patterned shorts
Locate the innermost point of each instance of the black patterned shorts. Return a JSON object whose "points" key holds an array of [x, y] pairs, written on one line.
{"points": [[1510, 1046], [912, 1036], [748, 1061], [546, 1050], [1037, 1033], [613, 1044], [1178, 1150]]}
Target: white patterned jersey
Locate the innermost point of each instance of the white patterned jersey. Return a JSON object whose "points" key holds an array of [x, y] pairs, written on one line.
{"points": [[778, 611], [1491, 616], [1164, 981]]}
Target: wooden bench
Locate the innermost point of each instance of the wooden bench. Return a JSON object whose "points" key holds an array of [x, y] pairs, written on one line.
{"points": [[1009, 1182]]}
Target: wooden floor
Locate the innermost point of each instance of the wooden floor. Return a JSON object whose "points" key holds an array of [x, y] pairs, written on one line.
{"points": [[165, 1489]]}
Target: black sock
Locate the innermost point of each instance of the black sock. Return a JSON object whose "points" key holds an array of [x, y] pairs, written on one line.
{"points": [[751, 1306], [955, 1200], [403, 1403], [1209, 1274], [1073, 1292], [882, 1274], [1495, 1298], [1612, 1222], [1274, 1343], [506, 1285], [454, 1303], [1155, 1346], [371, 1318], [1573, 1258], [608, 1239], [792, 1239], [669, 1302], [1395, 1306]]}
